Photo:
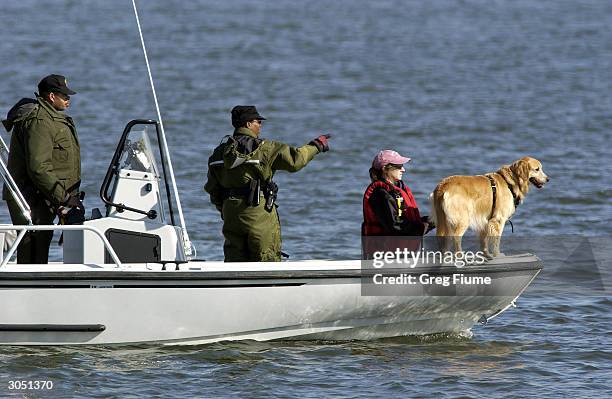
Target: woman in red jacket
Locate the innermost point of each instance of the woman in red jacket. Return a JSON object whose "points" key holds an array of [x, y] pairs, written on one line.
{"points": [[389, 208]]}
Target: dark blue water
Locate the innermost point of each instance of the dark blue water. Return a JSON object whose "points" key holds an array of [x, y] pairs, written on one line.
{"points": [[462, 87]]}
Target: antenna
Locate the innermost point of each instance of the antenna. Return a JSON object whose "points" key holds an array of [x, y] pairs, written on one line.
{"points": [[187, 246]]}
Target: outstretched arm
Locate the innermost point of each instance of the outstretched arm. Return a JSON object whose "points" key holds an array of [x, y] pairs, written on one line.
{"points": [[291, 158]]}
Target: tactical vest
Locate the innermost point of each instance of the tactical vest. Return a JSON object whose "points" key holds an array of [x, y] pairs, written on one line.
{"points": [[252, 163]]}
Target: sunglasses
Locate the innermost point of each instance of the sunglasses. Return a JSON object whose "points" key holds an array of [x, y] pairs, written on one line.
{"points": [[62, 96], [259, 122], [396, 165]]}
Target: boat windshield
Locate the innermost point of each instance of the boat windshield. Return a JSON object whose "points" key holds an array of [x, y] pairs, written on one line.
{"points": [[137, 153]]}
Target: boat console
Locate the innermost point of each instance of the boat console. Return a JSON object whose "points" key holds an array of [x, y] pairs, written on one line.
{"points": [[139, 216], [139, 222]]}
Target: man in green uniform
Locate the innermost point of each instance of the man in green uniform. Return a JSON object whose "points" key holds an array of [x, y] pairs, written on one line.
{"points": [[45, 162], [240, 185]]}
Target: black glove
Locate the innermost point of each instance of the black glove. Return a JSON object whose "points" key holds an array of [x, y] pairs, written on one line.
{"points": [[321, 142], [74, 216], [72, 211], [73, 202]]}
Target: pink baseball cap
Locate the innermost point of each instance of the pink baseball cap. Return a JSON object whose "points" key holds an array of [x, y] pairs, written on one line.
{"points": [[386, 157]]}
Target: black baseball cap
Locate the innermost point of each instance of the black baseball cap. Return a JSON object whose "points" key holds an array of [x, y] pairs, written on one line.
{"points": [[55, 84], [245, 113]]}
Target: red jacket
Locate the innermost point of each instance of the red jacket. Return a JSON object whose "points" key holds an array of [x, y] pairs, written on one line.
{"points": [[393, 213], [407, 211]]}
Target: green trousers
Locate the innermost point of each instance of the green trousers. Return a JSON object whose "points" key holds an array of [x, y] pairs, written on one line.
{"points": [[252, 234], [34, 247]]}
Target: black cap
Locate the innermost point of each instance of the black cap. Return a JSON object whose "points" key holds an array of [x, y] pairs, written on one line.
{"points": [[55, 84], [244, 113]]}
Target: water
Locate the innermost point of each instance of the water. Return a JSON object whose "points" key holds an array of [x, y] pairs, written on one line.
{"points": [[462, 87]]}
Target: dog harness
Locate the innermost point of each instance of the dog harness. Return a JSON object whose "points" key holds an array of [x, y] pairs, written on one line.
{"points": [[514, 197], [494, 189]]}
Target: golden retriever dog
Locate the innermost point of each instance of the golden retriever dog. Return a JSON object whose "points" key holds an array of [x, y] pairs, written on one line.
{"points": [[460, 202]]}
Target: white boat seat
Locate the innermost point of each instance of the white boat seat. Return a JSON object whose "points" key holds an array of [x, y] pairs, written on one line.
{"points": [[7, 238]]}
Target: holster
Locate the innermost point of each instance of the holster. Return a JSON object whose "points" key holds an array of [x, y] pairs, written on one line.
{"points": [[270, 194], [254, 192]]}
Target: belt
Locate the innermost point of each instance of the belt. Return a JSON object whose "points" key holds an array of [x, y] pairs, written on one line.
{"points": [[238, 192]]}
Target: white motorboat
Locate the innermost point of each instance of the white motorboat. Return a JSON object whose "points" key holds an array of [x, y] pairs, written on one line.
{"points": [[129, 276], [212, 301]]}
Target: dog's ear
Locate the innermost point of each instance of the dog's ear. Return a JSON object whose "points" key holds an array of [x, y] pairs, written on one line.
{"points": [[521, 171]]}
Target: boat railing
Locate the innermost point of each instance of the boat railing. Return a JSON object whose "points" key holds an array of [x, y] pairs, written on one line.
{"points": [[10, 183], [25, 210], [23, 229]]}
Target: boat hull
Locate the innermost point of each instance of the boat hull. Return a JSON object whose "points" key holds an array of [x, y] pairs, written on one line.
{"points": [[305, 301]]}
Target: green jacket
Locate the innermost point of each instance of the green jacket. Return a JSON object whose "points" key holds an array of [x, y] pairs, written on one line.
{"points": [[44, 154], [262, 163]]}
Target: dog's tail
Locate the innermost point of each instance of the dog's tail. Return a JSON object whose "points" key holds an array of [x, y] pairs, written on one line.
{"points": [[436, 200], [432, 206]]}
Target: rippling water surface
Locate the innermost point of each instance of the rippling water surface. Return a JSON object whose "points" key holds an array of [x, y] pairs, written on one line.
{"points": [[462, 87]]}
